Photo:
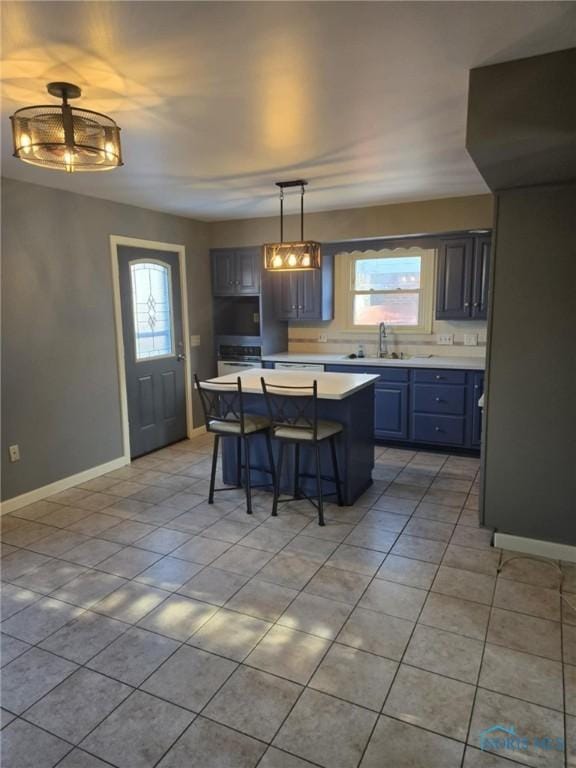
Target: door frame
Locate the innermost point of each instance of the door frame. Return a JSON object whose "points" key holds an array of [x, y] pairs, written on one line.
{"points": [[120, 240]]}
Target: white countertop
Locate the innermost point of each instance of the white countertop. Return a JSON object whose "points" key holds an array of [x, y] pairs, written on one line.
{"points": [[331, 386], [458, 363]]}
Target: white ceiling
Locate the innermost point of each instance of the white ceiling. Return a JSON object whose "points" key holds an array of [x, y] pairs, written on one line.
{"points": [[217, 101]]}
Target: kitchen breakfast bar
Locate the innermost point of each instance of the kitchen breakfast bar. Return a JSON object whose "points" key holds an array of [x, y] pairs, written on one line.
{"points": [[347, 398]]}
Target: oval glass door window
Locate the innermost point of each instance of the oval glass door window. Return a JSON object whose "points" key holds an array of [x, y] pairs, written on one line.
{"points": [[152, 309]]}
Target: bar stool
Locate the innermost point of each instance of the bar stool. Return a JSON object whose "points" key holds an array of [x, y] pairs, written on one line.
{"points": [[293, 412], [225, 416]]}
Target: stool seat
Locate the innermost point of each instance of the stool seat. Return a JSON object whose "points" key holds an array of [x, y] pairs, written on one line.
{"points": [[300, 430], [252, 423]]}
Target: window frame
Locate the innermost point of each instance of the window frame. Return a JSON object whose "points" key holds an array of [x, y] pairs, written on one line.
{"points": [[426, 290], [168, 267]]}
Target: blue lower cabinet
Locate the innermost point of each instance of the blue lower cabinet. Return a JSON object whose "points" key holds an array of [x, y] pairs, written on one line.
{"points": [[475, 415], [439, 430], [391, 411], [427, 406], [439, 398]]}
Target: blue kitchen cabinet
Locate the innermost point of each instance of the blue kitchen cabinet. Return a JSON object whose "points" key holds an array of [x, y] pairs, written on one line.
{"points": [[236, 271], [462, 278], [391, 411], [475, 415], [454, 278], [425, 406], [307, 295], [391, 398], [438, 407], [482, 251]]}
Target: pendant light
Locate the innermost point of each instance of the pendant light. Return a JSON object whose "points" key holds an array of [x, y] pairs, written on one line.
{"points": [[295, 256], [66, 138]]}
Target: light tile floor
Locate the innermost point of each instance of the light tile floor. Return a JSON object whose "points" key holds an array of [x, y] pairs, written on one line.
{"points": [[143, 627]]}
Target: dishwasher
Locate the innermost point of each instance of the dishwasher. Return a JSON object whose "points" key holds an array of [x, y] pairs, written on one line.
{"points": [[298, 367]]}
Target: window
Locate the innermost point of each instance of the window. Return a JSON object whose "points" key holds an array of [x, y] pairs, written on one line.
{"points": [[392, 286], [152, 308]]}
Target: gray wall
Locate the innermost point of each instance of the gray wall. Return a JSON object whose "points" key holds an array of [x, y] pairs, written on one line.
{"points": [[530, 437], [60, 395]]}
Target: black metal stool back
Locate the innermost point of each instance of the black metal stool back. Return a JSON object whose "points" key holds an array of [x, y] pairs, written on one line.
{"points": [[293, 407], [293, 412], [223, 407], [221, 402]]}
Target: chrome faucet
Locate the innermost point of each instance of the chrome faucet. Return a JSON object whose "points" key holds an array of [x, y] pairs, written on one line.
{"points": [[382, 343]]}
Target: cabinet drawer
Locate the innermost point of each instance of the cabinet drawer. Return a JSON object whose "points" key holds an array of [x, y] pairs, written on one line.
{"points": [[439, 376], [384, 374], [439, 398], [448, 430]]}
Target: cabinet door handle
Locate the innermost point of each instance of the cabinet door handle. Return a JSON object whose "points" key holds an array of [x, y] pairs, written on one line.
{"points": [[439, 400], [293, 306], [438, 377], [300, 307], [466, 303], [437, 429]]}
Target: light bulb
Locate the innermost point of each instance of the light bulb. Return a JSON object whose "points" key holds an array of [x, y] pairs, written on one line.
{"points": [[69, 160], [25, 143], [109, 149], [306, 261], [277, 262], [292, 260]]}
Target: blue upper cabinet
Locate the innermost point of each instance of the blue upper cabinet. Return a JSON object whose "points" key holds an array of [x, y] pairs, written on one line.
{"points": [[482, 250], [306, 295], [236, 271], [455, 270], [462, 277]]}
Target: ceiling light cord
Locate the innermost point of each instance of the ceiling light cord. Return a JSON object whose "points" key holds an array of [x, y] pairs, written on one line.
{"points": [[302, 212], [281, 215]]}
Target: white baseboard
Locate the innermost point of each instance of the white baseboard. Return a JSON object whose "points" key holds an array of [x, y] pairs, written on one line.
{"points": [[549, 549], [17, 502]]}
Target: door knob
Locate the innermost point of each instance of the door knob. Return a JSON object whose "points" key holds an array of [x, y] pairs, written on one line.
{"points": [[180, 357]]}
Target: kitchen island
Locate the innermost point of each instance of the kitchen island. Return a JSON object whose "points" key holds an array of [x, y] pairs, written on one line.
{"points": [[344, 397]]}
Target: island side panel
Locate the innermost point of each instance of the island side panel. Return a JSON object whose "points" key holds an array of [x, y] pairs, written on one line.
{"points": [[355, 447]]}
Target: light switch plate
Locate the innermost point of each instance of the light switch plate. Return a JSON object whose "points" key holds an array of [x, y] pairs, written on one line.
{"points": [[446, 339], [195, 341], [470, 339], [14, 452], [322, 338]]}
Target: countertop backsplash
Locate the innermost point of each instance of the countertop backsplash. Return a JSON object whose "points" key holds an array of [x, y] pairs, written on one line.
{"points": [[305, 339]]}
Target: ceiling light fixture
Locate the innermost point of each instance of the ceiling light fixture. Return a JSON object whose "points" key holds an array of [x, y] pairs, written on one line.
{"points": [[294, 256], [66, 138]]}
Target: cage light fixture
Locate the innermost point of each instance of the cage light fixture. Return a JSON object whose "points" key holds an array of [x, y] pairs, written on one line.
{"points": [[293, 256], [66, 138]]}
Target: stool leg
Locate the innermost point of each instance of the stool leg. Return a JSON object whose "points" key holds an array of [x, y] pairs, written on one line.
{"points": [[296, 469], [278, 476], [239, 462], [213, 471], [271, 459], [247, 475], [336, 473], [319, 487]]}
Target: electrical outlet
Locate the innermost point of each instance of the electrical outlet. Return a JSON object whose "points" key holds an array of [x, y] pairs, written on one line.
{"points": [[195, 341], [14, 452], [322, 338], [470, 339], [445, 339]]}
